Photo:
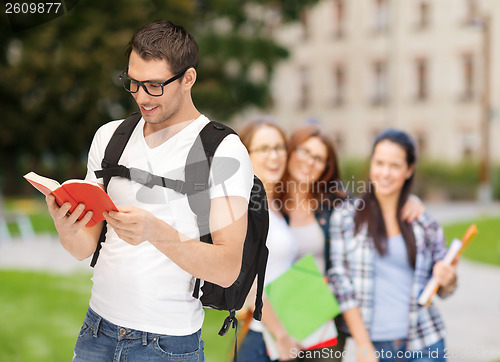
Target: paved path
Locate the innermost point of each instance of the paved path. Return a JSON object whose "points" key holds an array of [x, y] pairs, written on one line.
{"points": [[45, 253], [460, 211], [472, 314]]}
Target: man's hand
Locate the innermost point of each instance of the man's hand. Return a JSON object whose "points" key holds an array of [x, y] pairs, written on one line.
{"points": [[64, 221], [134, 225], [78, 240]]}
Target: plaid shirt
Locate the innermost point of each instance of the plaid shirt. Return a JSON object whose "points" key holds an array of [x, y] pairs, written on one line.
{"points": [[352, 273]]}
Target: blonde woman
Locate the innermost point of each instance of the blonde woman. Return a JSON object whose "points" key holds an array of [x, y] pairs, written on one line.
{"points": [[266, 144]]}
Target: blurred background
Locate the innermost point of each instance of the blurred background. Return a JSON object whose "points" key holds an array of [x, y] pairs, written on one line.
{"points": [[354, 67]]}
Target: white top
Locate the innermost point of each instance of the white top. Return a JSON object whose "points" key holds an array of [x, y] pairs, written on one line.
{"points": [[311, 240], [138, 287], [283, 250]]}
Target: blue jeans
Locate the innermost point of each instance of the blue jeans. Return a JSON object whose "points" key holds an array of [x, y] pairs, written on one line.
{"points": [[396, 351], [101, 340], [253, 348]]}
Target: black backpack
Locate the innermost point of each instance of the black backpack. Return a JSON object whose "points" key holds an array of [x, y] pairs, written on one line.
{"points": [[195, 186]]}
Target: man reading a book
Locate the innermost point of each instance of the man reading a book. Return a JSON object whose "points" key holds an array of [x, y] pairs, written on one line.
{"points": [[142, 305]]}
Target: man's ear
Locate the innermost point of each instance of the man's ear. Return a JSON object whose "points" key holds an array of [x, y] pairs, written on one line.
{"points": [[189, 77]]}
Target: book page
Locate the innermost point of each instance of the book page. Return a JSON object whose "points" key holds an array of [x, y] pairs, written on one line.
{"points": [[43, 184], [89, 193], [72, 181]]}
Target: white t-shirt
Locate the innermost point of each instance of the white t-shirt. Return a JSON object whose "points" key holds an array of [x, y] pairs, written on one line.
{"points": [[138, 287], [311, 240], [283, 250]]}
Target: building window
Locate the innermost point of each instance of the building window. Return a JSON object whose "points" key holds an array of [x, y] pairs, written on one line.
{"points": [[421, 141], [338, 141], [375, 132], [305, 88], [422, 84], [380, 83], [305, 24], [469, 144], [471, 11], [424, 13], [338, 85], [339, 18], [381, 16], [468, 75]]}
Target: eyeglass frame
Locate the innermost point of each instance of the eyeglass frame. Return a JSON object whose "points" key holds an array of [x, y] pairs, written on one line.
{"points": [[266, 150], [142, 84], [317, 160]]}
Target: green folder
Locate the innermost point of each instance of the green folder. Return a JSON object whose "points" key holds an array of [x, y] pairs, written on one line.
{"points": [[301, 298]]}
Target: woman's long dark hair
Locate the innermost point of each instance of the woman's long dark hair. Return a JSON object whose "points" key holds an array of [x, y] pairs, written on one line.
{"points": [[371, 213]]}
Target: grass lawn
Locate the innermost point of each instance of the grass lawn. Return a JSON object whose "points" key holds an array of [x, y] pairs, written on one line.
{"points": [[41, 315], [36, 209], [485, 248]]}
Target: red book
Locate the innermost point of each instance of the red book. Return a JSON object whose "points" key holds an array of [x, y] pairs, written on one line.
{"points": [[75, 192]]}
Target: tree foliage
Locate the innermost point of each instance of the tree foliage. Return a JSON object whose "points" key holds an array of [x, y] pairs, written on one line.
{"points": [[59, 79]]}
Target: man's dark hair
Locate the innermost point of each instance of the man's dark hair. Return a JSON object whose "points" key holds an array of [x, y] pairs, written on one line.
{"points": [[164, 40]]}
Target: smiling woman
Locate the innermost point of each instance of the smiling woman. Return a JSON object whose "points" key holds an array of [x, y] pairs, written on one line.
{"points": [[268, 156], [266, 145], [390, 169], [380, 263], [312, 190]]}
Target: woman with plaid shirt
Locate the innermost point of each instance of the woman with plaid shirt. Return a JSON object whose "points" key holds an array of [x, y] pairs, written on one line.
{"points": [[380, 263]]}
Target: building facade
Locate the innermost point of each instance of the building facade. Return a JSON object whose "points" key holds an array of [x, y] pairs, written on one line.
{"points": [[357, 67]]}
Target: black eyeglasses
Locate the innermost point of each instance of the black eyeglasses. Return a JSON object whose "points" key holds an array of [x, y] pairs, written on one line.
{"points": [[306, 155], [154, 89], [266, 150]]}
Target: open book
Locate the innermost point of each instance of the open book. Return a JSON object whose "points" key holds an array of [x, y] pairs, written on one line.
{"points": [[75, 192], [455, 249]]}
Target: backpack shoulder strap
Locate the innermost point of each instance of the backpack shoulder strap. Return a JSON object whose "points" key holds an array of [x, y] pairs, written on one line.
{"points": [[212, 135], [117, 144], [197, 172], [112, 155]]}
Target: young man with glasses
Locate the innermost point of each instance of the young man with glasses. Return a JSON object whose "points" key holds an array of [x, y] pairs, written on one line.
{"points": [[142, 306]]}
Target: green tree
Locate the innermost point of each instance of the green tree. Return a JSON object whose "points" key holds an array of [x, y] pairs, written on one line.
{"points": [[59, 80]]}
